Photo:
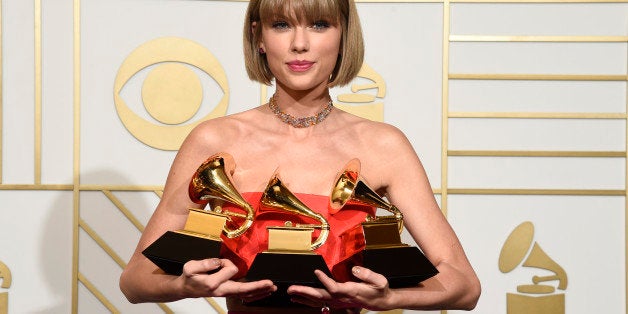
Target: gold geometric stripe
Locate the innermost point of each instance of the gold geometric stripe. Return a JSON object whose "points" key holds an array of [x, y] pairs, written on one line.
{"points": [[97, 293], [49, 187], [516, 153], [103, 245], [215, 305], [537, 77], [38, 134], [69, 187], [124, 210], [88, 187], [527, 38], [116, 258], [165, 308], [538, 115], [537, 192], [160, 193], [97, 187]]}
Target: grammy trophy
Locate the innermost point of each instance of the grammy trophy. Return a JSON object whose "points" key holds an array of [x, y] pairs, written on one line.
{"points": [[381, 233], [200, 237], [290, 258]]}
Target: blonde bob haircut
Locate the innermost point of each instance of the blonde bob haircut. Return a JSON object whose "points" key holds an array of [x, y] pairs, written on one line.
{"points": [[342, 12]]}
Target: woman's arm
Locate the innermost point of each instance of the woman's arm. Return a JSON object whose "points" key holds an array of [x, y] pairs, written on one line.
{"points": [[407, 186], [143, 281]]}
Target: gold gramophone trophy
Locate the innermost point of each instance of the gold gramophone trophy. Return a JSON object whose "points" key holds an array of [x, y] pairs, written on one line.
{"points": [[290, 258], [384, 253], [200, 237]]}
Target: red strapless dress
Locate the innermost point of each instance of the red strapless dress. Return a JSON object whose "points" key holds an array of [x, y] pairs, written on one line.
{"points": [[344, 240]]}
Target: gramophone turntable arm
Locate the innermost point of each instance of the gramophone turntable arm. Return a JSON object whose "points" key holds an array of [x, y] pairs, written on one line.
{"points": [[396, 217]]}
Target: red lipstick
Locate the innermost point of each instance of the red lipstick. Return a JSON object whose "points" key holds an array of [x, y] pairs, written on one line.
{"points": [[300, 65]]}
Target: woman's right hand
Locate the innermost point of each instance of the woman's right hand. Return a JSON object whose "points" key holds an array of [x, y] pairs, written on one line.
{"points": [[196, 282]]}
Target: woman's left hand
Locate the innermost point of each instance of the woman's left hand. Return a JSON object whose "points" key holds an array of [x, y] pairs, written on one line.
{"points": [[371, 293]]}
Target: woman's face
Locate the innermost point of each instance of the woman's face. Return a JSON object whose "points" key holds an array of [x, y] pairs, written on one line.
{"points": [[301, 55]]}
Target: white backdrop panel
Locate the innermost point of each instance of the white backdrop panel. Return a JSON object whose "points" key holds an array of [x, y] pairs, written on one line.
{"points": [[584, 235], [537, 173], [36, 246], [18, 92], [57, 92], [538, 58], [537, 96], [592, 19], [537, 134]]}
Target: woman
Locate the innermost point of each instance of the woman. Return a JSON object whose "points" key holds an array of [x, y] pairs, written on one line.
{"points": [[306, 46]]}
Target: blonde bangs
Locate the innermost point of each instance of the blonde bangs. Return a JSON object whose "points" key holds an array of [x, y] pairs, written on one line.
{"points": [[300, 10]]}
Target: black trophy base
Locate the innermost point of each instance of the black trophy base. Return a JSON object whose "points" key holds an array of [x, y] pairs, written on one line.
{"points": [[403, 266], [173, 249], [285, 269]]}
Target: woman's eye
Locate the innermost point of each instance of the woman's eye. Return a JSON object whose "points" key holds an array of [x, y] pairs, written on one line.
{"points": [[320, 25], [280, 25]]}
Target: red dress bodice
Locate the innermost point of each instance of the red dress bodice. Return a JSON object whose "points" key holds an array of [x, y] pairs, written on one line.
{"points": [[344, 240]]}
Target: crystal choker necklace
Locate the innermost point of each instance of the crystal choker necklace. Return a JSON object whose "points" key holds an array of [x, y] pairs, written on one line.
{"points": [[299, 122]]}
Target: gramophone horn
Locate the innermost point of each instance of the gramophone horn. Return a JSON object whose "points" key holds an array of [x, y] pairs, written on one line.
{"points": [[350, 188], [539, 259], [277, 196], [213, 180]]}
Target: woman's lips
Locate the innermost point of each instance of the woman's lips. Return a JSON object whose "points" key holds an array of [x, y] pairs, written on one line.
{"points": [[300, 66]]}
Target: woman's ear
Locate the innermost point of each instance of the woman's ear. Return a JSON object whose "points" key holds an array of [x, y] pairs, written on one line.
{"points": [[260, 47]]}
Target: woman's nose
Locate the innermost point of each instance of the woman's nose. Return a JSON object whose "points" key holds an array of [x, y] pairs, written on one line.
{"points": [[300, 41]]}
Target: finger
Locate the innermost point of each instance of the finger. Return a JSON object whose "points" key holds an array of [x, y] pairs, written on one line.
{"points": [[309, 292], [203, 266], [244, 289], [328, 282], [257, 287], [227, 271], [369, 276]]}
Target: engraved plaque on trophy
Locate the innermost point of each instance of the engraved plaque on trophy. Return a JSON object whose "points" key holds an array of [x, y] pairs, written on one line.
{"points": [[403, 265], [200, 237], [290, 258]]}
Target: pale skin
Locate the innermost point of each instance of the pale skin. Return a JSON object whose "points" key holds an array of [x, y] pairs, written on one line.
{"points": [[308, 160]]}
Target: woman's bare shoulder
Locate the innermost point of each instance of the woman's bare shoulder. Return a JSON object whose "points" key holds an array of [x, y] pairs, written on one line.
{"points": [[224, 129], [376, 132]]}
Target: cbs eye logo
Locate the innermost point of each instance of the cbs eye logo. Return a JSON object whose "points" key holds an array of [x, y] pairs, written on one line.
{"points": [[171, 93]]}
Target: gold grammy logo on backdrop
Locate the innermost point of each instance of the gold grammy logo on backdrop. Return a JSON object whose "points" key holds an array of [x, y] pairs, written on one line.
{"points": [[532, 298], [363, 104], [5, 278], [171, 93]]}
